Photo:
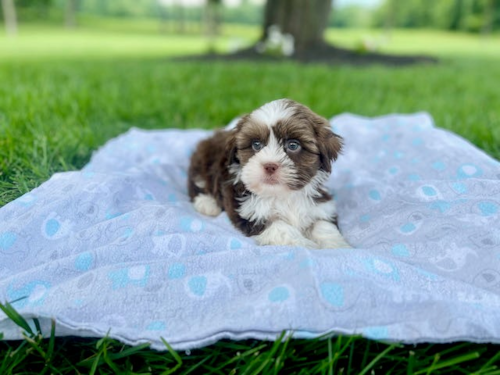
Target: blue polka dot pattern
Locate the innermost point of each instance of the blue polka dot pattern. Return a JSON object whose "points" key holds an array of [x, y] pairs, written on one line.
{"points": [[469, 171], [192, 225], [198, 285], [488, 208], [333, 293], [7, 240], [235, 244], [156, 326], [408, 227], [439, 166], [375, 195], [279, 294], [176, 271], [382, 267], [52, 227], [400, 250], [376, 333], [429, 191], [84, 261], [459, 187]]}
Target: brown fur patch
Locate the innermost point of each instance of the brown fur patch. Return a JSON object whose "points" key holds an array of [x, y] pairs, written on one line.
{"points": [[210, 164], [248, 131]]}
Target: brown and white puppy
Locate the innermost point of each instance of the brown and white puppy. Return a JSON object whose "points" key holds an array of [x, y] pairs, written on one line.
{"points": [[268, 175]]}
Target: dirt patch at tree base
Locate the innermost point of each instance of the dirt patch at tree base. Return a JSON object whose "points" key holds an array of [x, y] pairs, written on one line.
{"points": [[325, 54]]}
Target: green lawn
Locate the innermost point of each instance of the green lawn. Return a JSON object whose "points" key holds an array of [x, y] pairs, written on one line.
{"points": [[62, 95], [440, 43]]}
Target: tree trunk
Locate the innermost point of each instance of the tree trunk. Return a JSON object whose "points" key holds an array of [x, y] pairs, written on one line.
{"points": [[9, 13], [489, 17], [390, 16], [456, 19], [70, 16], [305, 20], [212, 18]]}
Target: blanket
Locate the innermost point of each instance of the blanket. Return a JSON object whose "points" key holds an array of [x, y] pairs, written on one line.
{"points": [[118, 248]]}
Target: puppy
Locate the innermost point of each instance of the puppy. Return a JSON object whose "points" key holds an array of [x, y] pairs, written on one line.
{"points": [[268, 175]]}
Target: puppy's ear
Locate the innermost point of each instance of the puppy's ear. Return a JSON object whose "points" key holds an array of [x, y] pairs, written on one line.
{"points": [[231, 149], [329, 143]]}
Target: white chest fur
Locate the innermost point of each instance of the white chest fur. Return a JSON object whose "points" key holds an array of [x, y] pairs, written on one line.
{"points": [[296, 208]]}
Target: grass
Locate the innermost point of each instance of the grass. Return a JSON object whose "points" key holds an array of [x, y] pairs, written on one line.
{"points": [[442, 43], [63, 95]]}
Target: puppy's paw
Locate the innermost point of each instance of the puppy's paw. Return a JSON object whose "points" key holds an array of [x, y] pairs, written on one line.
{"points": [[327, 236], [280, 233], [206, 205]]}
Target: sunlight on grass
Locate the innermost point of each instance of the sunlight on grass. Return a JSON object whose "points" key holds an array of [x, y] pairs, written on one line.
{"points": [[35, 44], [432, 42]]}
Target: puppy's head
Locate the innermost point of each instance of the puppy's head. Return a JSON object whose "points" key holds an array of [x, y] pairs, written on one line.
{"points": [[282, 146]]}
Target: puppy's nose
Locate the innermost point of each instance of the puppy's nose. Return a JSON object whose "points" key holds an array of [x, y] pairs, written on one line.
{"points": [[271, 168]]}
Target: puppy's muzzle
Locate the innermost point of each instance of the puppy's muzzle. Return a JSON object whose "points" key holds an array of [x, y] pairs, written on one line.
{"points": [[271, 168]]}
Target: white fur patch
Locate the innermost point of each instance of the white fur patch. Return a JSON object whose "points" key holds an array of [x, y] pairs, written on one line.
{"points": [[295, 207], [206, 205], [280, 233], [272, 112], [327, 236], [200, 183], [235, 171]]}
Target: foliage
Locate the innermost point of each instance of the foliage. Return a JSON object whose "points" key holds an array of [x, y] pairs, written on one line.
{"points": [[466, 15], [52, 11], [351, 16], [29, 10], [454, 15], [121, 8]]}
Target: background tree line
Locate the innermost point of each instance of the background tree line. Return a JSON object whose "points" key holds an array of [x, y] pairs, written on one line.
{"points": [[455, 15]]}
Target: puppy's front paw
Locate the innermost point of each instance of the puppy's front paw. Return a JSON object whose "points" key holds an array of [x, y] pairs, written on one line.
{"points": [[206, 205], [327, 236], [280, 233]]}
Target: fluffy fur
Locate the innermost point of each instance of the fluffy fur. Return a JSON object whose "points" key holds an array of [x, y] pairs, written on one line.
{"points": [[268, 175]]}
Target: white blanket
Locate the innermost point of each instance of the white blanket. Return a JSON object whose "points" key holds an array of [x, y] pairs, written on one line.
{"points": [[118, 247]]}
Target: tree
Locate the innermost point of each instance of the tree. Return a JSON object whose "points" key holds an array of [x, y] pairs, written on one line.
{"points": [[9, 12], [212, 17], [305, 20], [489, 17], [70, 14]]}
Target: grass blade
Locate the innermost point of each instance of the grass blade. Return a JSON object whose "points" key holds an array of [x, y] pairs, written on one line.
{"points": [[411, 363], [262, 364], [450, 362], [280, 360], [377, 358], [93, 368], [52, 340], [37, 326], [491, 361], [175, 355], [17, 318]]}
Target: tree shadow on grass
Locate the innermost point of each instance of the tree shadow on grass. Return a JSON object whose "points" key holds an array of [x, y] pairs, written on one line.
{"points": [[324, 54]]}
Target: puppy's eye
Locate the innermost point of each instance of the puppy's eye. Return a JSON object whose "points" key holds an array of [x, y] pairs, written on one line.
{"points": [[293, 145], [257, 145]]}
